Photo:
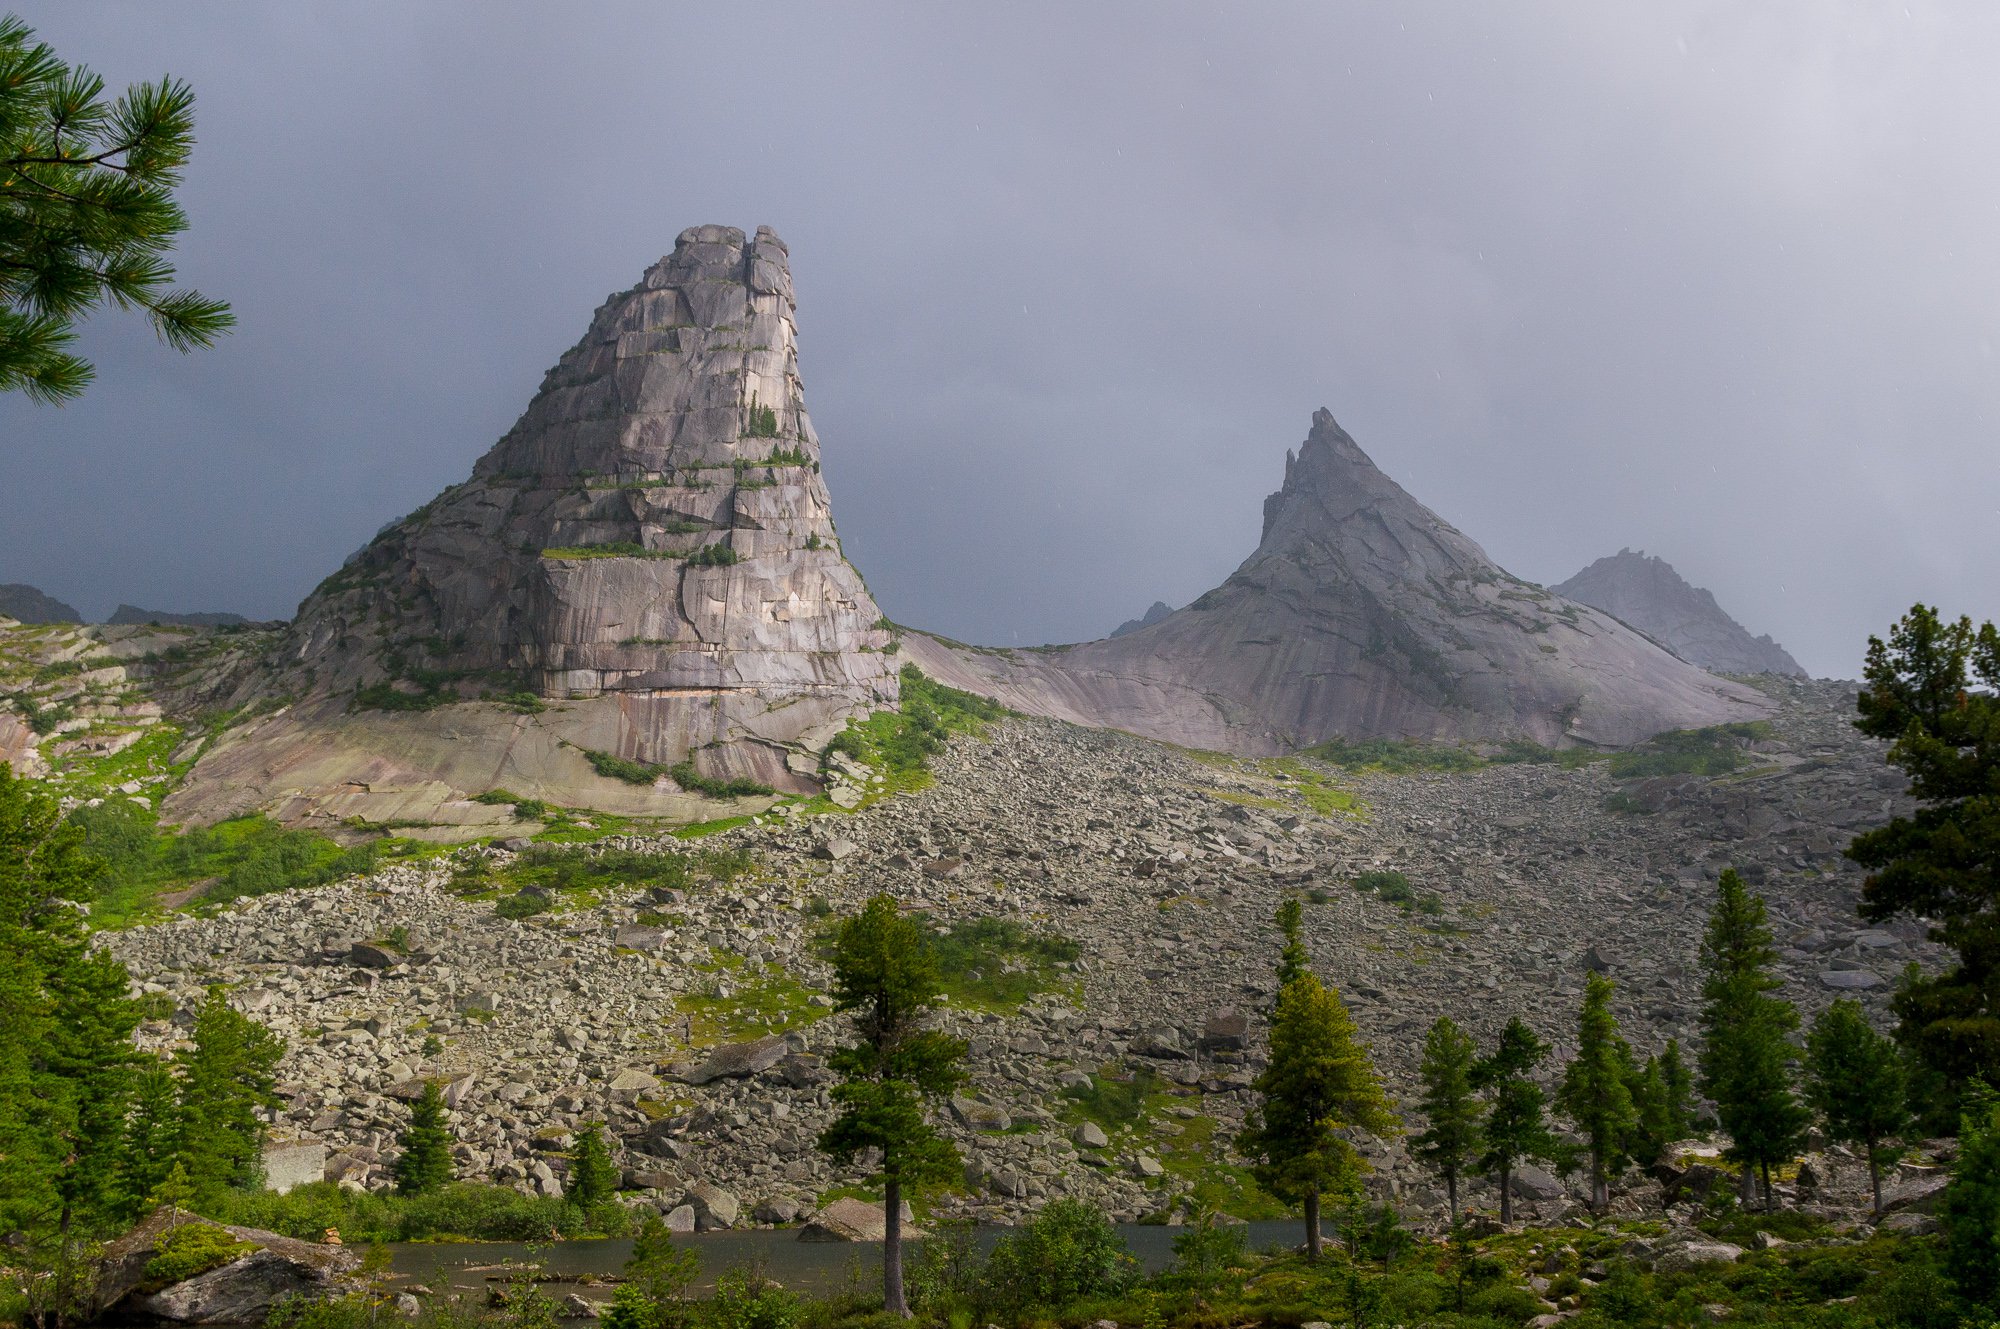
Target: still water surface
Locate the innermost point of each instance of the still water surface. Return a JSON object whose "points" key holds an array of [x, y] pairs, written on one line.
{"points": [[805, 1266]]}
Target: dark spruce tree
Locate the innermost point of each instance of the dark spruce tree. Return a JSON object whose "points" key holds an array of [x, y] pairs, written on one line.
{"points": [[1747, 1055], [1596, 1093], [1933, 690], [66, 1058], [593, 1177], [886, 979], [423, 1160], [1516, 1128], [87, 213], [1292, 958], [1449, 1144], [1663, 1104], [227, 1074], [1854, 1080], [1970, 1213]]}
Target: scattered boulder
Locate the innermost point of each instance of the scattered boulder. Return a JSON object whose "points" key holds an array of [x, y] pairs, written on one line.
{"points": [[737, 1060], [849, 1219]]}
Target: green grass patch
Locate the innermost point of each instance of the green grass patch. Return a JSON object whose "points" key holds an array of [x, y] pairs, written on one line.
{"points": [[243, 856], [685, 774], [613, 767], [736, 1002], [1320, 793], [1394, 756], [995, 964], [899, 744]]}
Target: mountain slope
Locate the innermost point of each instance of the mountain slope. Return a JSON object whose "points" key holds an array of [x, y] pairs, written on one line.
{"points": [[1647, 593], [1362, 614]]}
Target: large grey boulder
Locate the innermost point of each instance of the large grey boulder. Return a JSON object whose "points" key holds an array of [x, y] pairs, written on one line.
{"points": [[1645, 592], [289, 1163], [1362, 614], [240, 1291], [849, 1219], [738, 1060]]}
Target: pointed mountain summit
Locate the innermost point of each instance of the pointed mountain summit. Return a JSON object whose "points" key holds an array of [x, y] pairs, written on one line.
{"points": [[648, 554], [1647, 593], [1362, 614]]}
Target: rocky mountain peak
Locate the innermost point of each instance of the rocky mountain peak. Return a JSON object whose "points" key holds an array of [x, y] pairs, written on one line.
{"points": [[1361, 614], [1646, 592], [653, 533]]}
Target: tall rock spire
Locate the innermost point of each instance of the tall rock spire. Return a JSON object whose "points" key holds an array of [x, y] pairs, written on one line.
{"points": [[653, 528]]}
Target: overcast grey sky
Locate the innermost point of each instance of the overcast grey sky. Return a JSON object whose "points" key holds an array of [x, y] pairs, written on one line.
{"points": [[1716, 280]]}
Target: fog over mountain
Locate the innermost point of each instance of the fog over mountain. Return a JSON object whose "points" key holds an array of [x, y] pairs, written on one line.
{"points": [[1691, 277]]}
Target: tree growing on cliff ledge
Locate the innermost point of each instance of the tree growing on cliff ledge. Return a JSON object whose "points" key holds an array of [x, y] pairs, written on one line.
{"points": [[886, 979], [1933, 690], [87, 213]]}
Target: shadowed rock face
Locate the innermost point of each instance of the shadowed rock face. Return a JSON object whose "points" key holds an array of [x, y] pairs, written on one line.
{"points": [[654, 527], [1362, 614], [1647, 593]]}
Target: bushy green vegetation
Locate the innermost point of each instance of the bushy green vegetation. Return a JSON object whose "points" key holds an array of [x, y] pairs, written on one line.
{"points": [[1717, 750], [462, 1209], [685, 774], [713, 556], [546, 871], [614, 767], [190, 1248], [607, 549], [996, 964], [243, 856], [900, 743], [1392, 755]]}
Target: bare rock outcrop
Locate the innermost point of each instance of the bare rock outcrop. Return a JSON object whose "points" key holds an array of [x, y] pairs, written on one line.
{"points": [[1644, 591], [1362, 614]]}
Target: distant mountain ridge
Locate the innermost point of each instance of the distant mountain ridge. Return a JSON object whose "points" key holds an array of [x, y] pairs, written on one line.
{"points": [[1160, 610], [1645, 591], [1361, 614], [25, 604], [131, 614]]}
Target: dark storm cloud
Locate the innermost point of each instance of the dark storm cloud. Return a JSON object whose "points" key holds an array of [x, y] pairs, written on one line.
{"points": [[1714, 280]]}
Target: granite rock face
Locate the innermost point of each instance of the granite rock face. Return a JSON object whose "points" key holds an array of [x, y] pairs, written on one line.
{"points": [[1646, 592], [25, 604], [651, 545], [1362, 614]]}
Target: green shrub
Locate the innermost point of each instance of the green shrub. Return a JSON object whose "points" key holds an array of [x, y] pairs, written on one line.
{"points": [[745, 1299], [524, 904], [1392, 885], [614, 767], [387, 696], [685, 774], [1506, 1303], [1717, 750], [713, 556], [1068, 1253]]}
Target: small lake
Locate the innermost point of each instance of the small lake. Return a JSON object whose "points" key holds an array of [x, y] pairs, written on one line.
{"points": [[804, 1266]]}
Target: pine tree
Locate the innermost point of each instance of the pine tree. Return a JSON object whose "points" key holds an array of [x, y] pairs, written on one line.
{"points": [[66, 1058], [1318, 1083], [1678, 1083], [423, 1161], [1663, 1099], [1854, 1080], [1595, 1092], [1516, 1129], [1933, 690], [657, 1278], [226, 1076], [87, 213], [1970, 1213], [1450, 1143], [151, 1141], [1747, 1054], [593, 1177], [886, 978], [1292, 958]]}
